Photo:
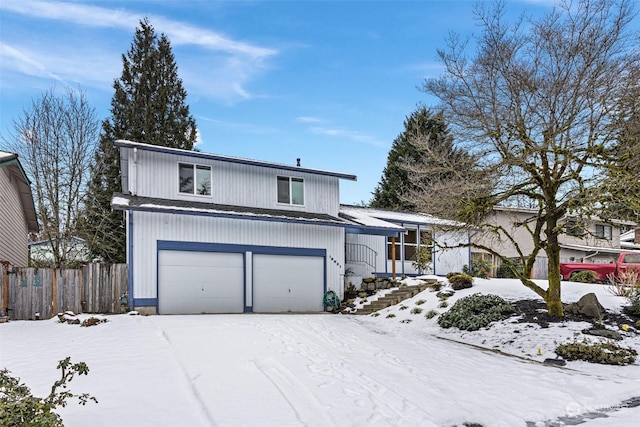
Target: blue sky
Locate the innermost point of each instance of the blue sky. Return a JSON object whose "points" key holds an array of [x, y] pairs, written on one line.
{"points": [[330, 82]]}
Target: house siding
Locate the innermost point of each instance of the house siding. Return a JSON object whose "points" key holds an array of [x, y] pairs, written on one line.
{"points": [[155, 174], [13, 223], [149, 227]]}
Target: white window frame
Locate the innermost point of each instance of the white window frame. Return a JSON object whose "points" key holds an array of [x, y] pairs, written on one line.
{"points": [[195, 167], [601, 231], [291, 179]]}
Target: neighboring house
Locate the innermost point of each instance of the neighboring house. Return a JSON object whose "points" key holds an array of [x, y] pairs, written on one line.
{"points": [[630, 240], [586, 240], [216, 234], [369, 255], [17, 211], [41, 252]]}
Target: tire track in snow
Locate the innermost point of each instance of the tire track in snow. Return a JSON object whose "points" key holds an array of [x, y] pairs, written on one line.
{"points": [[190, 382], [388, 406], [304, 403]]}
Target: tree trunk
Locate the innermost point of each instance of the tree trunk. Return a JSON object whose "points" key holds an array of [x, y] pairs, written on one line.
{"points": [[553, 300]]}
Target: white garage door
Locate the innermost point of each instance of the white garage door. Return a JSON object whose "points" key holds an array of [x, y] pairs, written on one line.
{"points": [[200, 282], [283, 283]]}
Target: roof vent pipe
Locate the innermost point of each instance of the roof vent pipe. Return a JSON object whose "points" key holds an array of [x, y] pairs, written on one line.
{"points": [[298, 162]]}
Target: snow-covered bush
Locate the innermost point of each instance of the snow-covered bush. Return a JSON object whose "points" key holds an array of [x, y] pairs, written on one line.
{"points": [[606, 353], [476, 311], [461, 281], [586, 276], [18, 407]]}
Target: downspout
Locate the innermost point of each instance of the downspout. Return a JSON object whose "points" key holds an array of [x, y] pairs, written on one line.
{"points": [[134, 173], [591, 256], [130, 258]]}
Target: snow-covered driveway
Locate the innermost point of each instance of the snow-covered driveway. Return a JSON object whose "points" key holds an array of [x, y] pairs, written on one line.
{"points": [[279, 370]]}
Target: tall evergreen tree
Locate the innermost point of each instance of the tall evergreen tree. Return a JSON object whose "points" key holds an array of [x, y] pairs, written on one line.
{"points": [[149, 105], [424, 133]]}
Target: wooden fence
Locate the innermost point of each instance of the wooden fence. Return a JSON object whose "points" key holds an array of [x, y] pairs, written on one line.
{"points": [[44, 292]]}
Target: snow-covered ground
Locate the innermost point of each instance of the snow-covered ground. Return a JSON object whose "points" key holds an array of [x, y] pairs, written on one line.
{"points": [[323, 369]]}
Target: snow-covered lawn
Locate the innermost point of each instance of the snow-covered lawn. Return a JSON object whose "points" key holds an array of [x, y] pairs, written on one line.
{"points": [[323, 369]]}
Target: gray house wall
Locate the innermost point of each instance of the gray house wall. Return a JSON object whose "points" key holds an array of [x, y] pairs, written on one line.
{"points": [[154, 174], [150, 227], [13, 224]]}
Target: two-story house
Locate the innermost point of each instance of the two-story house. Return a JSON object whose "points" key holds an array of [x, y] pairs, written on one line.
{"points": [[17, 211], [208, 233], [584, 239]]}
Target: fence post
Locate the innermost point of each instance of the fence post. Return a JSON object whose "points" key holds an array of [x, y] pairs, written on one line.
{"points": [[5, 302], [54, 290]]}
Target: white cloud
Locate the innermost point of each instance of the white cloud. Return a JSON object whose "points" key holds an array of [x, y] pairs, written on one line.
{"points": [[223, 72], [348, 134], [307, 119]]}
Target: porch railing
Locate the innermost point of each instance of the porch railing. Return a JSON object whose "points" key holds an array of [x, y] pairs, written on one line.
{"points": [[357, 253]]}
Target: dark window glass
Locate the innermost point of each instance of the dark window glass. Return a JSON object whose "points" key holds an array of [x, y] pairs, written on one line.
{"points": [[283, 189], [185, 173]]}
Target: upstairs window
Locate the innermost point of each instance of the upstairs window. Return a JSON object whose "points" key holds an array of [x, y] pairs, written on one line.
{"points": [[604, 232], [194, 179], [290, 190]]}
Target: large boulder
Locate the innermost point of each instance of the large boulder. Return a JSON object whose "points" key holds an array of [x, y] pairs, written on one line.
{"points": [[588, 306]]}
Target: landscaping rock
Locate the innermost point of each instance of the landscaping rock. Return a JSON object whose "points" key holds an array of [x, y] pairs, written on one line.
{"points": [[588, 306], [600, 332], [445, 294]]}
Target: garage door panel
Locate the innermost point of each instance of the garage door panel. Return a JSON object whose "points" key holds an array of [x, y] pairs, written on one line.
{"points": [[284, 283], [200, 282]]}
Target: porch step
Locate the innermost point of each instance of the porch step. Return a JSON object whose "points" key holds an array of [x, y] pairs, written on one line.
{"points": [[394, 297]]}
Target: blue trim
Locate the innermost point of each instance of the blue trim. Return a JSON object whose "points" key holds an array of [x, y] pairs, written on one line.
{"points": [[146, 302], [246, 309], [130, 284], [376, 231], [169, 245], [208, 156]]}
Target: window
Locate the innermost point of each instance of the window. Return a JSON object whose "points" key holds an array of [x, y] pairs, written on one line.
{"points": [[631, 259], [290, 190], [604, 232], [194, 179], [410, 244], [574, 228]]}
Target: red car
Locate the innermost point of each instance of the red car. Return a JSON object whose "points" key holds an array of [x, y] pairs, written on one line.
{"points": [[602, 271]]}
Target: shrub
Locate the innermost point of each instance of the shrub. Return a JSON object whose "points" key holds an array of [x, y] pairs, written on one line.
{"points": [[504, 271], [585, 276], [479, 268], [420, 302], [403, 307], [405, 321], [416, 310], [443, 304], [633, 297], [18, 407], [606, 353], [376, 314], [423, 259], [461, 281], [91, 321], [452, 273], [476, 311], [390, 316], [431, 314]]}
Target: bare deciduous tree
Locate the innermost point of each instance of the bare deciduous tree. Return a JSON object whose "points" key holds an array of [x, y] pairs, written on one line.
{"points": [[55, 138], [535, 103]]}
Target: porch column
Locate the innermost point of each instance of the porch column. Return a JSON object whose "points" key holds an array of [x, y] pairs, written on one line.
{"points": [[393, 258]]}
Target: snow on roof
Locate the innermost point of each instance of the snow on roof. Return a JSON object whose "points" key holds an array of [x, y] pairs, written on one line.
{"points": [[6, 155], [121, 201], [362, 218], [629, 236], [395, 216], [231, 159]]}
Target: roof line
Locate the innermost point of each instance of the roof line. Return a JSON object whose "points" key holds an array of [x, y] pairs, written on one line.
{"points": [[200, 155]]}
